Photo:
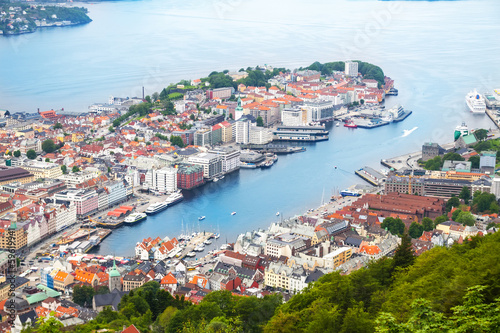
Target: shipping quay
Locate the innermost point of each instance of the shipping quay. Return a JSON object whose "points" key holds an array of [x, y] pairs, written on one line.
{"points": [[371, 175], [371, 117], [273, 148], [300, 133]]}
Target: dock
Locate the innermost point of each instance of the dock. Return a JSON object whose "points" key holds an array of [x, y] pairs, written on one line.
{"points": [[300, 133], [371, 175], [274, 148], [195, 242]]}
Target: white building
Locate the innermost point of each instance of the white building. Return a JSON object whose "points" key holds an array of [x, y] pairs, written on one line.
{"points": [[162, 181], [117, 192], [351, 68], [65, 216], [495, 187], [211, 163], [73, 179], [243, 131], [230, 158], [291, 117], [260, 135]]}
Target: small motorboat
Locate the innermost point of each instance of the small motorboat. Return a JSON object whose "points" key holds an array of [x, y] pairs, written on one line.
{"points": [[201, 218], [233, 213]]}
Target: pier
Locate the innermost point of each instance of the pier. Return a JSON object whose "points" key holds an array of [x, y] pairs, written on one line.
{"points": [[371, 176]]}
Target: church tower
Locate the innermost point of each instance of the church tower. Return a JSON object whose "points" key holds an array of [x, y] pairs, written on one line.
{"points": [[114, 278]]}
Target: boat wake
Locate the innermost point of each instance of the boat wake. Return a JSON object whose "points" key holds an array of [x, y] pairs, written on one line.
{"points": [[408, 132]]}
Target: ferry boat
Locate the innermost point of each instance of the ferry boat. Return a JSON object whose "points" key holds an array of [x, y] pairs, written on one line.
{"points": [[156, 208], [134, 218], [475, 102], [349, 123], [348, 193], [174, 198], [461, 130], [248, 165], [201, 218]]}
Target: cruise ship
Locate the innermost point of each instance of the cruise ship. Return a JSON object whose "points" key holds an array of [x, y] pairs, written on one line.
{"points": [[134, 218], [475, 102], [156, 208], [174, 198]]}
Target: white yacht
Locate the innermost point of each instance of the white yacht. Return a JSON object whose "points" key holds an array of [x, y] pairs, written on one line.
{"points": [[156, 208], [475, 102], [134, 218], [174, 198], [207, 242]]}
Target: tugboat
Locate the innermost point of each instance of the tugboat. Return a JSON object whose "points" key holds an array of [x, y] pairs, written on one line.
{"points": [[349, 123]]}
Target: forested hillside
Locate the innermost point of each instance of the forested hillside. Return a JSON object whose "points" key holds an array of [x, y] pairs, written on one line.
{"points": [[443, 290]]}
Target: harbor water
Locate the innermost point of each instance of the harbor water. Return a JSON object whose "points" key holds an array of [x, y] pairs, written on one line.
{"points": [[435, 60]]}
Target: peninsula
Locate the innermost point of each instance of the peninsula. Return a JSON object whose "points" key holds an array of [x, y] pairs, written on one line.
{"points": [[19, 19]]}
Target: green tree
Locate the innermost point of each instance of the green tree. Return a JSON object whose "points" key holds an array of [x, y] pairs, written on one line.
{"points": [[49, 325], [58, 126], [155, 96], [434, 163], [453, 157], [494, 208], [64, 169], [148, 98], [111, 129], [260, 121], [466, 218], [47, 159], [455, 214], [357, 320], [176, 141], [474, 160], [82, 295], [403, 256], [427, 224], [452, 202], [481, 134], [465, 194], [31, 154], [362, 101], [17, 153], [75, 169], [394, 225], [192, 117], [48, 146], [440, 219], [482, 201], [415, 230]]}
